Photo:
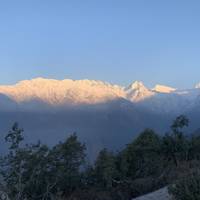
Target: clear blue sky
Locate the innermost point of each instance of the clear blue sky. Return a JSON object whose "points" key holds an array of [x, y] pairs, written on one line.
{"points": [[157, 41]]}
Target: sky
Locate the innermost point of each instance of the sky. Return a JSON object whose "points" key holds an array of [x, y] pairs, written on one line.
{"points": [[117, 41]]}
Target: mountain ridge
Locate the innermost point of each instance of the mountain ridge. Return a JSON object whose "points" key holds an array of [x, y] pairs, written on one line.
{"points": [[70, 92]]}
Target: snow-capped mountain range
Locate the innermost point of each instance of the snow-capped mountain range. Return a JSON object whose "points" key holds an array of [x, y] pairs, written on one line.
{"points": [[103, 115], [79, 92]]}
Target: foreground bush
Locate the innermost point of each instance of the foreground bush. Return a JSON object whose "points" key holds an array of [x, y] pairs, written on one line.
{"points": [[187, 189]]}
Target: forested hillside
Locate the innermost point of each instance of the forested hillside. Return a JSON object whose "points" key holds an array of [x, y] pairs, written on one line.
{"points": [[62, 171]]}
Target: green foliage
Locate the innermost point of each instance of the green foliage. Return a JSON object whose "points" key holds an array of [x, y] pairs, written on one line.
{"points": [[195, 148], [14, 137], [187, 189], [176, 145], [67, 158], [179, 123], [38, 172], [142, 155], [105, 168], [149, 162]]}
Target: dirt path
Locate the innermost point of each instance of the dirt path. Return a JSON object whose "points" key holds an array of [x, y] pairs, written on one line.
{"points": [[161, 194]]}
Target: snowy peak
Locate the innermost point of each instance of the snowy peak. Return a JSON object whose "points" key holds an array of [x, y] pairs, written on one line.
{"points": [[163, 89], [137, 85], [137, 91]]}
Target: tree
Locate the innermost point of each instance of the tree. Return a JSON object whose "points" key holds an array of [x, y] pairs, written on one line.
{"points": [[37, 172], [23, 167], [13, 163], [176, 145], [14, 137], [142, 154], [105, 168], [194, 152], [67, 159]]}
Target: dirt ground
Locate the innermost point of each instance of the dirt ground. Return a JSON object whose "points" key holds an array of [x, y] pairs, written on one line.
{"points": [[161, 194]]}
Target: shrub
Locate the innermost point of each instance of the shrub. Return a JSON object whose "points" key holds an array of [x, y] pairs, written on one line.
{"points": [[187, 189]]}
